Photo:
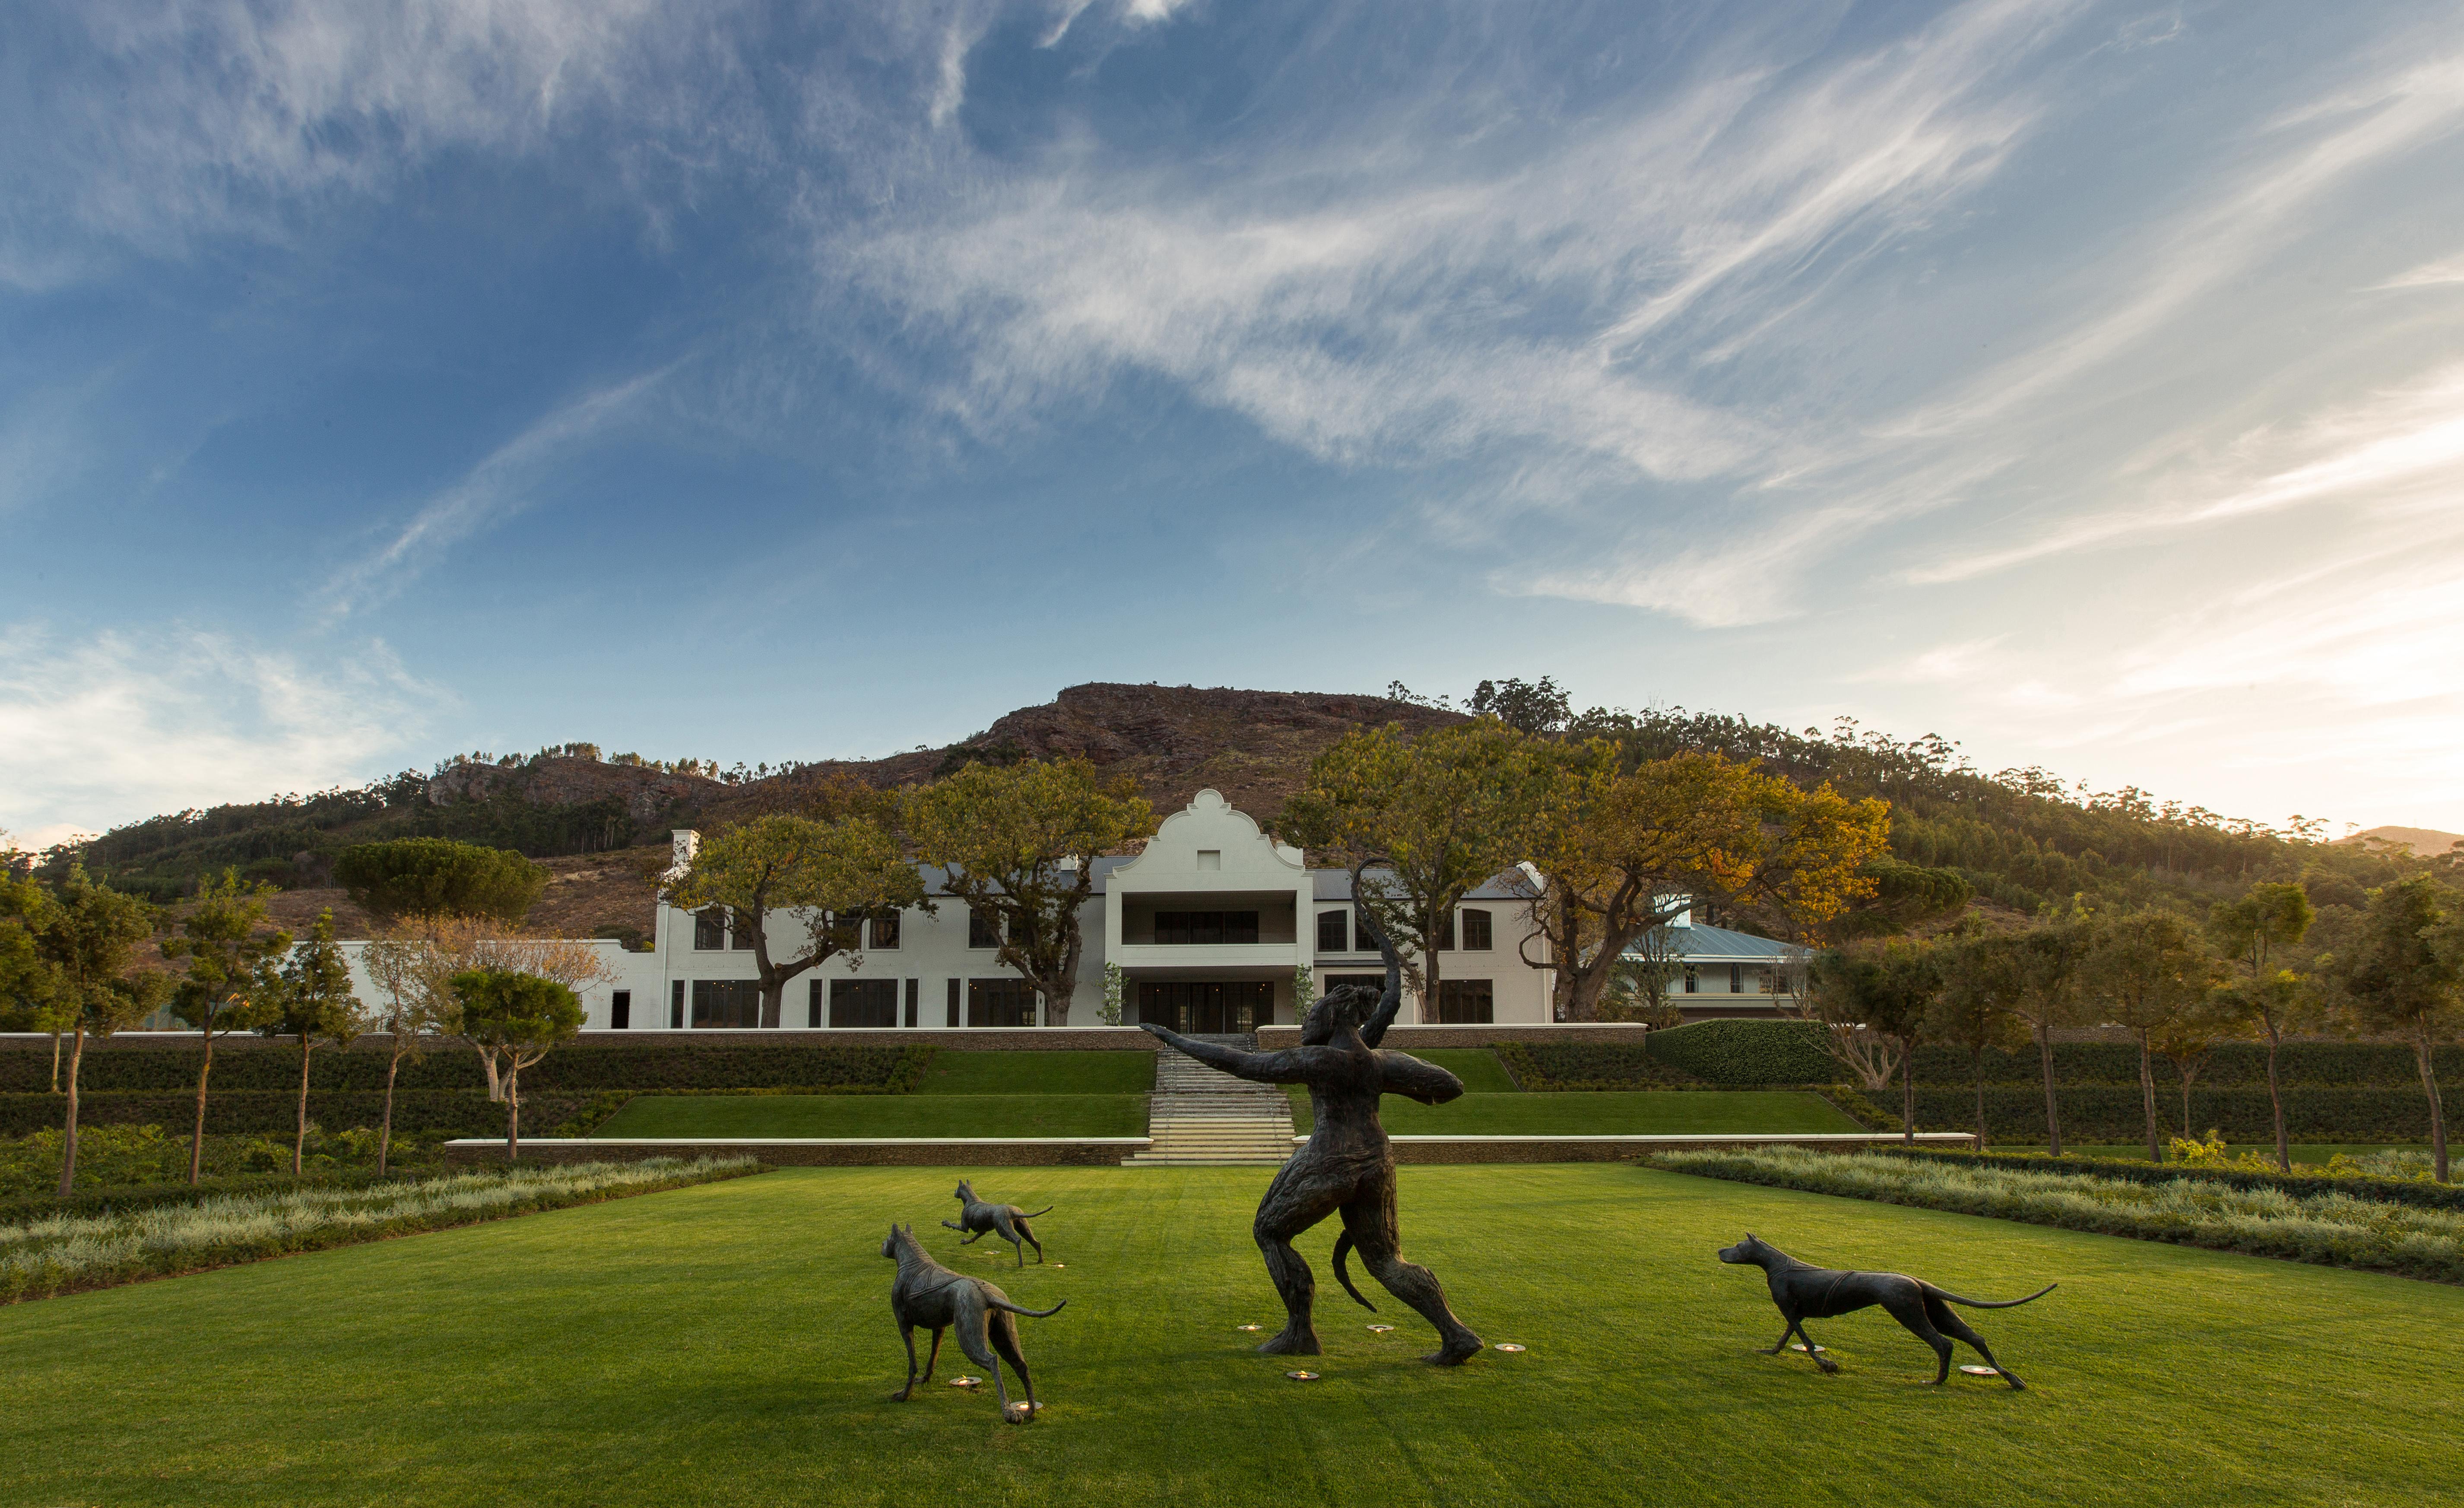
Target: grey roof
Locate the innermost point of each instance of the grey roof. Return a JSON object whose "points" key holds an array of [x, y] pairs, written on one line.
{"points": [[1507, 884], [1702, 941]]}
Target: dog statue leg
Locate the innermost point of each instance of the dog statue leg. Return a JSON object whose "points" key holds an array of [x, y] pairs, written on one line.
{"points": [[934, 1357], [907, 1333]]}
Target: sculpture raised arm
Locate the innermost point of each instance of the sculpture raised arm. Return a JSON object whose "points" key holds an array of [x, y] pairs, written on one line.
{"points": [[1374, 1029]]}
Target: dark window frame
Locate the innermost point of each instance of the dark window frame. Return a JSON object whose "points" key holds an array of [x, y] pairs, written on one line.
{"points": [[1478, 931], [1000, 1004], [710, 930], [983, 928], [867, 1004], [1205, 928], [1467, 1002], [1339, 922], [727, 1005], [620, 1011]]}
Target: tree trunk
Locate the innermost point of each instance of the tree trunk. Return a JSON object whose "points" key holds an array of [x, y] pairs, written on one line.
{"points": [[1429, 970], [68, 1142], [299, 1135], [1581, 1004], [2187, 1075], [2275, 1101], [1979, 1053], [385, 1132], [197, 1138], [2421, 1049], [514, 1113], [55, 1062], [2148, 1094], [1908, 1090], [488, 1061], [2045, 1056]]}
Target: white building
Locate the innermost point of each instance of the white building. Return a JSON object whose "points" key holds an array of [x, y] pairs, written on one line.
{"points": [[1210, 924]]}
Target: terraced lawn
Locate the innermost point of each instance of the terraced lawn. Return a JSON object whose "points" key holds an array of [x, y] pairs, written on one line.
{"points": [[730, 1344], [1642, 1112], [938, 1114]]}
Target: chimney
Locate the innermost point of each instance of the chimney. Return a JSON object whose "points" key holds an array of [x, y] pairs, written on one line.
{"points": [[686, 843]]}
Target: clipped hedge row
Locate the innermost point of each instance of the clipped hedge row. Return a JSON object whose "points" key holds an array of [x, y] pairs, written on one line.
{"points": [[123, 1201], [2324, 1064], [2113, 1113], [1739, 1053], [423, 1112], [2392, 1191], [578, 1068]]}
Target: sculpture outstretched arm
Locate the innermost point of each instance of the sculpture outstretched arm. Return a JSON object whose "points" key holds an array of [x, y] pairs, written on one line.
{"points": [[1283, 1067]]}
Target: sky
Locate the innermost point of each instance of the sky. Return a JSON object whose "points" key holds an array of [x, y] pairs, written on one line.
{"points": [[2081, 381]]}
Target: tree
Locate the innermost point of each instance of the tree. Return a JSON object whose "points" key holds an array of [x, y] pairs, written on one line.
{"points": [[230, 950], [30, 997], [1973, 1012], [830, 874], [2188, 1038], [2147, 971], [450, 944], [315, 1004], [2047, 996], [1019, 842], [403, 970], [521, 1017], [439, 877], [1876, 1004], [2256, 932], [1526, 707], [2401, 977], [1439, 815], [1620, 856], [88, 936]]}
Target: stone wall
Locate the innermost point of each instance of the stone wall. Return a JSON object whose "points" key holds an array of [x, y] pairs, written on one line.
{"points": [[1403, 1037], [1056, 1152]]}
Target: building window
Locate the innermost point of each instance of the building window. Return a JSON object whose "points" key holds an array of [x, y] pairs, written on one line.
{"points": [[1207, 1006], [863, 1003], [1467, 1002], [1375, 981], [952, 1021], [1210, 858], [999, 1002], [1331, 931], [739, 936], [1691, 983], [1475, 931], [885, 930], [710, 930], [676, 1006], [1205, 926], [727, 1004], [620, 1010], [1446, 934], [983, 928], [915, 987], [813, 1003], [1736, 979]]}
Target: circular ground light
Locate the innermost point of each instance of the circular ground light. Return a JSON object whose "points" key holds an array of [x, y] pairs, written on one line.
{"points": [[1508, 1345], [1980, 1372], [966, 1381], [1301, 1377], [1248, 1327], [1799, 1345], [1381, 1329]]}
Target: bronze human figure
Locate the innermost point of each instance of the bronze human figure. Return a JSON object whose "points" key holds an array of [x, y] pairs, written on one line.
{"points": [[1346, 1168], [1007, 1221], [928, 1294], [1806, 1292]]}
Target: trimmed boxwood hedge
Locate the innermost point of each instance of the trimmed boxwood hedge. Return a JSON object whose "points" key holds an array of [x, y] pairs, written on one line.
{"points": [[423, 1112], [102, 1201], [2113, 1113], [2324, 1064], [1589, 1065], [578, 1068], [2390, 1190], [1739, 1053]]}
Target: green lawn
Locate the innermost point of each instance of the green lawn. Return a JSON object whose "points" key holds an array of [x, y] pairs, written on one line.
{"points": [[1477, 1067], [882, 1114], [730, 1344], [1038, 1073], [1641, 1112]]}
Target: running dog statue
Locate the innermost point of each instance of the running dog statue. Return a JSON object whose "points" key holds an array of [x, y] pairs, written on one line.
{"points": [[1806, 1292], [1007, 1221], [1347, 1168], [928, 1294]]}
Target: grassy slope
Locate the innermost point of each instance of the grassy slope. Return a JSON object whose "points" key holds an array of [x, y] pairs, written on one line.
{"points": [[729, 1344], [881, 1115], [1639, 1113], [1038, 1073]]}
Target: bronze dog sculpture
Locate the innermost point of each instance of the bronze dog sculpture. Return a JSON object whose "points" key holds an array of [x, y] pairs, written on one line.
{"points": [[928, 1294], [1805, 1292], [1007, 1221], [1347, 1168]]}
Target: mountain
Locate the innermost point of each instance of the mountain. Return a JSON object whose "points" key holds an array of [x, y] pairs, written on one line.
{"points": [[2422, 842]]}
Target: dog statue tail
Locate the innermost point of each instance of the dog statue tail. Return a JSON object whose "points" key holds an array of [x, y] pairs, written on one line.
{"points": [[1032, 1314], [1033, 1214], [1343, 1274], [2007, 1304]]}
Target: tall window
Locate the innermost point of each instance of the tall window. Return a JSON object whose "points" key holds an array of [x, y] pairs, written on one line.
{"points": [[1692, 984], [863, 1003], [710, 930], [885, 930], [1207, 927], [726, 1004], [1330, 930], [1475, 931], [1736, 979], [914, 990], [999, 1002], [676, 1005], [983, 928], [1446, 935], [952, 1021], [813, 1003], [739, 936], [1467, 1002], [620, 1010]]}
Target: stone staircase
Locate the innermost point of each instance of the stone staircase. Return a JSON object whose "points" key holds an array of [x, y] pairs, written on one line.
{"points": [[1201, 1118]]}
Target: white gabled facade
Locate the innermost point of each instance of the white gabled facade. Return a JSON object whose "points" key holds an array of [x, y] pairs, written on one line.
{"points": [[1210, 924]]}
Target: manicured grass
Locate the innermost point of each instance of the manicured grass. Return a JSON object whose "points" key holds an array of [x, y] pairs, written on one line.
{"points": [[1641, 1112], [881, 1115], [1477, 1067], [1038, 1073], [730, 1343]]}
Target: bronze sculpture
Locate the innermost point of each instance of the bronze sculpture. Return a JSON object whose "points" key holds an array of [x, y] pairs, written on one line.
{"points": [[928, 1294], [977, 1217], [1347, 1166], [1805, 1292]]}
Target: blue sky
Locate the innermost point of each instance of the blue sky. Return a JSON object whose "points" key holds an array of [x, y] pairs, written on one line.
{"points": [[2081, 381]]}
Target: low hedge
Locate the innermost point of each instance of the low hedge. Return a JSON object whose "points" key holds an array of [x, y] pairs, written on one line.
{"points": [[2391, 1191], [145, 1196], [1740, 1053], [578, 1068], [2319, 1064], [2114, 1113], [423, 1112]]}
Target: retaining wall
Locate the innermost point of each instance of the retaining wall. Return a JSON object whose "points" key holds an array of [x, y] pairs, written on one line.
{"points": [[1403, 1037], [1085, 1151]]}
